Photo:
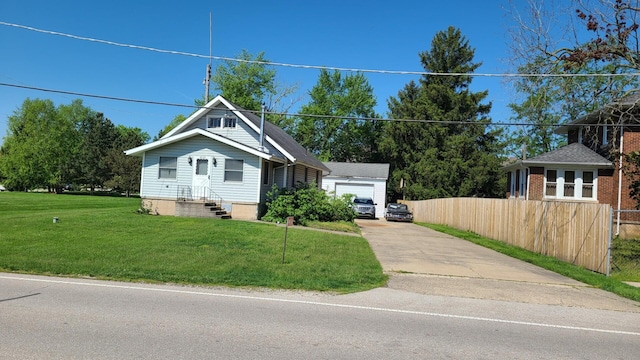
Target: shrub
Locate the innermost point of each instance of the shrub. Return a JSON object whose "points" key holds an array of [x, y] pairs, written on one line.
{"points": [[306, 203]]}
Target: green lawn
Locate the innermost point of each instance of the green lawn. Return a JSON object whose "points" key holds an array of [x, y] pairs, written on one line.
{"points": [[613, 283], [104, 237]]}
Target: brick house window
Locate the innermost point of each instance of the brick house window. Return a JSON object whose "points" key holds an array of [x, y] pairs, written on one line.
{"points": [[569, 183], [550, 189], [587, 184]]}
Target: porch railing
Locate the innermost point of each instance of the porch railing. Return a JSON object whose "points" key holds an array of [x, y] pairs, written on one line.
{"points": [[197, 193]]}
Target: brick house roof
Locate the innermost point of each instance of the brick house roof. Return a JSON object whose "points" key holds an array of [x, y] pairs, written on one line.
{"points": [[605, 113], [572, 154]]}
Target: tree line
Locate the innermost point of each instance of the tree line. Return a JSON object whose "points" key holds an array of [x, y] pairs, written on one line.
{"points": [[55, 148], [431, 156]]}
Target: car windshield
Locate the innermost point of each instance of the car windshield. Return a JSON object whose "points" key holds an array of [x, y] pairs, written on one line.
{"points": [[398, 207], [363, 201]]}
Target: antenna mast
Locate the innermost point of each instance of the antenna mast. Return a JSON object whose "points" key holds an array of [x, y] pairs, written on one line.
{"points": [[208, 75]]}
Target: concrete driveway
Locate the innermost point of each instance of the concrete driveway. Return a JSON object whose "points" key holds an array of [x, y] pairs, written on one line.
{"points": [[425, 261]]}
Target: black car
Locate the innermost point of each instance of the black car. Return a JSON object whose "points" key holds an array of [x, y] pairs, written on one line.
{"points": [[398, 212]]}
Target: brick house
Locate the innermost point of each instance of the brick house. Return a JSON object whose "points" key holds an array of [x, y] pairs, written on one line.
{"points": [[591, 167]]}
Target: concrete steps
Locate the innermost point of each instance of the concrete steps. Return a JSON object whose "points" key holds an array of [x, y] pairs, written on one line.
{"points": [[201, 209], [216, 211]]}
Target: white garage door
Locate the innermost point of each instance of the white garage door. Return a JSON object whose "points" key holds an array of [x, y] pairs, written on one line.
{"points": [[359, 190]]}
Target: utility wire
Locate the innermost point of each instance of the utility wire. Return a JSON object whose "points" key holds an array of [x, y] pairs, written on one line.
{"points": [[302, 66], [431, 121]]}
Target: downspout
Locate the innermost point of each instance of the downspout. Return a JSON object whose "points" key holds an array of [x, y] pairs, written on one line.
{"points": [[620, 181], [284, 177]]}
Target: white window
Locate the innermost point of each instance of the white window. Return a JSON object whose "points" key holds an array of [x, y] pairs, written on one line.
{"points": [[570, 184], [552, 178], [233, 170], [229, 122], [587, 184], [218, 122], [214, 122], [168, 168], [605, 135]]}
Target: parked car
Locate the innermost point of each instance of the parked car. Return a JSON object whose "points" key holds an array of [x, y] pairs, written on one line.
{"points": [[398, 212], [364, 207]]}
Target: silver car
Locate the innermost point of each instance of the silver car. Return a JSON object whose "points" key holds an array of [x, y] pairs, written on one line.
{"points": [[364, 207]]}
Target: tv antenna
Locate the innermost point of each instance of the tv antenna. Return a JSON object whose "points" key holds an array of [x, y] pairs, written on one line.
{"points": [[207, 78]]}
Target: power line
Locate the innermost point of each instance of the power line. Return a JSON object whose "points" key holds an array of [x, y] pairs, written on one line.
{"points": [[302, 66], [151, 102]]}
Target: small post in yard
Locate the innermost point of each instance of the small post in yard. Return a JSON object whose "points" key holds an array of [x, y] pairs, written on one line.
{"points": [[286, 228]]}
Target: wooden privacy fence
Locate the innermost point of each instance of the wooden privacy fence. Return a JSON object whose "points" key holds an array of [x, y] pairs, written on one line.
{"points": [[578, 233]]}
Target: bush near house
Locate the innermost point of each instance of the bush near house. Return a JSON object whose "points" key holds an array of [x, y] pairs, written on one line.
{"points": [[307, 203]]}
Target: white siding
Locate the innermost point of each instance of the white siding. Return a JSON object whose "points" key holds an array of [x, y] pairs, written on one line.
{"points": [[245, 191], [242, 133], [379, 189], [357, 189]]}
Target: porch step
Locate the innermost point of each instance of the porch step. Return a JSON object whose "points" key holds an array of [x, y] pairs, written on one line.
{"points": [[216, 211]]}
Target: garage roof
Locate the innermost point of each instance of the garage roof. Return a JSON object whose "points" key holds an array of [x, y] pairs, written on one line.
{"points": [[358, 170]]}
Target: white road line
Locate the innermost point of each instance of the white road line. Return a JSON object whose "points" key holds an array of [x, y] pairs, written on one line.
{"points": [[411, 312]]}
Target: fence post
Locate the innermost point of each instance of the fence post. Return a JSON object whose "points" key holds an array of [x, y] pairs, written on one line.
{"points": [[610, 240]]}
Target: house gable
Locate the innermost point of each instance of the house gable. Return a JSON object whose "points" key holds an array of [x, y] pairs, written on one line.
{"points": [[247, 131]]}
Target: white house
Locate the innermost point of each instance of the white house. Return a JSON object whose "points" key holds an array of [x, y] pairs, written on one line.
{"points": [[360, 179], [218, 158]]}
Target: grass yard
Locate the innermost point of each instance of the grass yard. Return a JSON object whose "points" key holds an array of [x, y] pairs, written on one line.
{"points": [[104, 237], [625, 259], [613, 283]]}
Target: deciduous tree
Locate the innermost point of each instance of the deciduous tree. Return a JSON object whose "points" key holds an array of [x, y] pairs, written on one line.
{"points": [[177, 120], [551, 38], [39, 145], [345, 131]]}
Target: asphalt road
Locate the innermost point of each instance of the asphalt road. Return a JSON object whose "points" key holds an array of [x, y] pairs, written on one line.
{"points": [[58, 318]]}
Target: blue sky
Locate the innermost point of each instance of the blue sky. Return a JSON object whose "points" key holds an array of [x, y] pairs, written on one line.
{"points": [[352, 34]]}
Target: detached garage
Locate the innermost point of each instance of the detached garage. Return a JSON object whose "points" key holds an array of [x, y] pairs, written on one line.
{"points": [[362, 180]]}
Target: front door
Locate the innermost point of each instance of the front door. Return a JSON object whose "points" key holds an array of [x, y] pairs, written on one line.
{"points": [[201, 178]]}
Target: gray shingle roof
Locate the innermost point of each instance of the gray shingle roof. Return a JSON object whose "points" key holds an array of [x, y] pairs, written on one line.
{"points": [[572, 154], [358, 170], [286, 141], [604, 113]]}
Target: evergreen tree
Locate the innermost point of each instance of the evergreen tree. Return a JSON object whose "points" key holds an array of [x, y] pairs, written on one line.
{"points": [[439, 156], [98, 135], [126, 169]]}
